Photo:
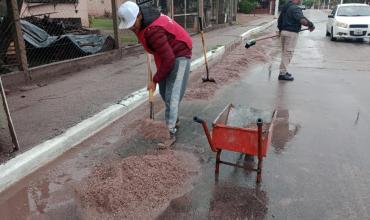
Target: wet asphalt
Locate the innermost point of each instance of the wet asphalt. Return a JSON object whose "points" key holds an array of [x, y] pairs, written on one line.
{"points": [[317, 166]]}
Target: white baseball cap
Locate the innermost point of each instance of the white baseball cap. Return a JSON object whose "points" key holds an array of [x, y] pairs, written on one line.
{"points": [[127, 13]]}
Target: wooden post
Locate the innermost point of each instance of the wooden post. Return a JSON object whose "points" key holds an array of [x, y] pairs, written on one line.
{"points": [[172, 10], [217, 10], [201, 14], [7, 132], [115, 24], [19, 41]]}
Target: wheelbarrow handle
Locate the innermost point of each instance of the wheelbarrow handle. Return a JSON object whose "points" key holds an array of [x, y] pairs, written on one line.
{"points": [[206, 131], [198, 120]]}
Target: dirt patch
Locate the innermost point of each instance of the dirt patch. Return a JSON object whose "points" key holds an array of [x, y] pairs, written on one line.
{"points": [[154, 130], [137, 187], [227, 70]]}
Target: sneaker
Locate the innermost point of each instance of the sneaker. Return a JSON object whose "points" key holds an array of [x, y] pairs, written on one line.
{"points": [[286, 77], [281, 73], [168, 143]]}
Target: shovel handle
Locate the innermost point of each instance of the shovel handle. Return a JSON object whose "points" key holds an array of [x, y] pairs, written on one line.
{"points": [[151, 93], [150, 75], [206, 131]]}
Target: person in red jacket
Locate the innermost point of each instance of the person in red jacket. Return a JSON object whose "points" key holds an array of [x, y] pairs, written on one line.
{"points": [[171, 46]]}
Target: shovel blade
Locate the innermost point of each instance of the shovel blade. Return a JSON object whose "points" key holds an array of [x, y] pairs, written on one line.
{"points": [[208, 80]]}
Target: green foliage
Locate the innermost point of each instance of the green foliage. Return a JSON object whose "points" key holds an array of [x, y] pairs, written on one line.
{"points": [[282, 2], [247, 6], [308, 3]]}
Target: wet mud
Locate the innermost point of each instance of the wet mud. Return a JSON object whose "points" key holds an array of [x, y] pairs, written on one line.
{"points": [[226, 71], [137, 187], [246, 117], [237, 203], [226, 201]]}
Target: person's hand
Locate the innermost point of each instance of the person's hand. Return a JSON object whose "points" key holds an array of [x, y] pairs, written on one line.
{"points": [[151, 86], [311, 26]]}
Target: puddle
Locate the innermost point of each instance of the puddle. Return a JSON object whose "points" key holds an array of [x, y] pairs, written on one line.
{"points": [[283, 131], [224, 201], [40, 200]]}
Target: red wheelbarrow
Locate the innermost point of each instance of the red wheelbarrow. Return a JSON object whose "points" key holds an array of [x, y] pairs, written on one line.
{"points": [[243, 130]]}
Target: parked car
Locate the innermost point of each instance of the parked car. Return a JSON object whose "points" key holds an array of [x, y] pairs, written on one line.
{"points": [[349, 21]]}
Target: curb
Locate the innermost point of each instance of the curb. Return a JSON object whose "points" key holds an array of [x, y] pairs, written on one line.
{"points": [[33, 159]]}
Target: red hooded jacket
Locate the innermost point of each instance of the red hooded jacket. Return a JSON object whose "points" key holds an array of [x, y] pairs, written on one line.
{"points": [[166, 40]]}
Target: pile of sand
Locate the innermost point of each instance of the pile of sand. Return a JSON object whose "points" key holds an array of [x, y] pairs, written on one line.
{"points": [[154, 130], [137, 187], [227, 70]]}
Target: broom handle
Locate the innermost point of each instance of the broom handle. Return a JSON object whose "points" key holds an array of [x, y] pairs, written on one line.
{"points": [[276, 35]]}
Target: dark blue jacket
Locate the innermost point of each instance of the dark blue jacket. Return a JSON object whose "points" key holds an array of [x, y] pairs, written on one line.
{"points": [[289, 19]]}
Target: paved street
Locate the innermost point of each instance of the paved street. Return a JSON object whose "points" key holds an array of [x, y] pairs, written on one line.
{"points": [[317, 166]]}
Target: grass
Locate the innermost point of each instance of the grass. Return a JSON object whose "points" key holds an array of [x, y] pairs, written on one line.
{"points": [[102, 23], [128, 39]]}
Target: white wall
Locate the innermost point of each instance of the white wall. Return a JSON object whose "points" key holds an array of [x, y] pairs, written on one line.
{"points": [[98, 8], [62, 10]]}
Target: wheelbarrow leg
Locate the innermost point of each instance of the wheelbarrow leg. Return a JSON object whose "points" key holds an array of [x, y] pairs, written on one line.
{"points": [[260, 158], [218, 159]]}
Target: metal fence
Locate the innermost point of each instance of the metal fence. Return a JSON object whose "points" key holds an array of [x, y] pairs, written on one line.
{"points": [[52, 31], [56, 30]]}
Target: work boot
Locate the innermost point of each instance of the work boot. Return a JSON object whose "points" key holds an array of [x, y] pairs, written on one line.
{"points": [[286, 77], [169, 142]]}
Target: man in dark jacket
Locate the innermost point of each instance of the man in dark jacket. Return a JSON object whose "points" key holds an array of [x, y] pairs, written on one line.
{"points": [[171, 46], [289, 24]]}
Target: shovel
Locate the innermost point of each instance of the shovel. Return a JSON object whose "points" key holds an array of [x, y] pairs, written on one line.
{"points": [[207, 79], [150, 75]]}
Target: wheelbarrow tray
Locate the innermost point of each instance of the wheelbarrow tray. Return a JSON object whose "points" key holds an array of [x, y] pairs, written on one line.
{"points": [[235, 129]]}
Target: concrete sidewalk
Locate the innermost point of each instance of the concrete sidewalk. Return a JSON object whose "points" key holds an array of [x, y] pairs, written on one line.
{"points": [[43, 111]]}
